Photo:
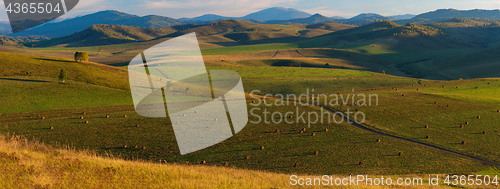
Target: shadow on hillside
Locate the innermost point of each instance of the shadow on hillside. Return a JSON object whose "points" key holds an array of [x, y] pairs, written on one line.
{"points": [[25, 80], [55, 60]]}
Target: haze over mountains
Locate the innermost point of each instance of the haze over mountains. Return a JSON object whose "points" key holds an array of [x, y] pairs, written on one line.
{"points": [[275, 15]]}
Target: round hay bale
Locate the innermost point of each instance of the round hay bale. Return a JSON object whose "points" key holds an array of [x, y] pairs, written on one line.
{"points": [[125, 115], [403, 95], [184, 115], [467, 123], [361, 163], [477, 88], [326, 130], [226, 164], [435, 102], [253, 101], [397, 89], [428, 137], [247, 157], [418, 89], [43, 117], [458, 87], [163, 161], [378, 140], [81, 117], [107, 116], [484, 132], [296, 165], [313, 134], [290, 116], [277, 131], [136, 146], [262, 147], [203, 162], [84, 113], [125, 146], [86, 122], [143, 147], [301, 132], [426, 126], [478, 117], [51, 128], [463, 142], [316, 153], [412, 85], [444, 86], [498, 111], [448, 106], [400, 154], [137, 125], [461, 126], [216, 119], [425, 85], [304, 129]]}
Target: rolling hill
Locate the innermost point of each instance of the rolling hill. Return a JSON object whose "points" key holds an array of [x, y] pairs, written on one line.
{"points": [[314, 19]]}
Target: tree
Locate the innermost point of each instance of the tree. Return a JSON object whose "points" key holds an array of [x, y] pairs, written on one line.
{"points": [[81, 56], [78, 56], [63, 75]]}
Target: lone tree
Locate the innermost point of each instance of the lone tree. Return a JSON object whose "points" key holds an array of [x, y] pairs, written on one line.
{"points": [[81, 56], [63, 75]]}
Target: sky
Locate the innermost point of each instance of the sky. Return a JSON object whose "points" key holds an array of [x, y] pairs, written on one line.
{"points": [[238, 8]]}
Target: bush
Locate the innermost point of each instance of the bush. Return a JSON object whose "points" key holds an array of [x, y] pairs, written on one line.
{"points": [[63, 75]]}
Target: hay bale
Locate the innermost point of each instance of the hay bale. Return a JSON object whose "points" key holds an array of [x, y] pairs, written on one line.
{"points": [[463, 142], [247, 157], [484, 132], [498, 111], [226, 164], [426, 126], [458, 87], [43, 117], [400, 154], [378, 140], [467, 123], [326, 130], [448, 106], [253, 101], [216, 119], [418, 89], [143, 147], [435, 102], [136, 146], [296, 165], [203, 162], [461, 126], [86, 122], [477, 87], [361, 163], [81, 117], [290, 116], [84, 113], [125, 115], [428, 137], [444, 86], [301, 132], [316, 153], [313, 134], [397, 89], [277, 131], [163, 161], [403, 95], [107, 116], [412, 85], [262, 147], [478, 117], [304, 129], [51, 128], [184, 115], [125, 146]]}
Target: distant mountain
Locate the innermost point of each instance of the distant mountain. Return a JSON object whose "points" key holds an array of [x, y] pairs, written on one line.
{"points": [[78, 24], [277, 13], [369, 16], [451, 13], [206, 17], [317, 18], [338, 18], [5, 28], [403, 17]]}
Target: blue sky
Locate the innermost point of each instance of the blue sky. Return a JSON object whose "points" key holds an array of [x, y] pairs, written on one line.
{"points": [[345, 8]]}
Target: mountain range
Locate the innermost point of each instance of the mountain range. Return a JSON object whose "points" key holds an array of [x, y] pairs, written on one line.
{"points": [[275, 15]]}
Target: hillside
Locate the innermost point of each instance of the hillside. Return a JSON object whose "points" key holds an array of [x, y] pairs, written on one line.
{"points": [[277, 13], [28, 164], [314, 19], [14, 64]]}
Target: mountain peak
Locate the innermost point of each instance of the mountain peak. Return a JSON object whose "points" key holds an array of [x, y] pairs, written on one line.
{"points": [[277, 13]]}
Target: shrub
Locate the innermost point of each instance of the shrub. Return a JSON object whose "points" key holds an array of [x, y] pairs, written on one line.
{"points": [[63, 75]]}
